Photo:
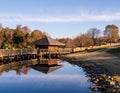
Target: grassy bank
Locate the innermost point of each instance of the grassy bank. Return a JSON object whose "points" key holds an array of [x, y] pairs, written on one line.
{"points": [[115, 51]]}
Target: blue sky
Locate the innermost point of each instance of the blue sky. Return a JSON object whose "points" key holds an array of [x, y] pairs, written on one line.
{"points": [[60, 18]]}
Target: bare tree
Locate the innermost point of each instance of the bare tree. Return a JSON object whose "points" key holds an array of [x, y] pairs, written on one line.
{"points": [[67, 41], [83, 40], [94, 34]]}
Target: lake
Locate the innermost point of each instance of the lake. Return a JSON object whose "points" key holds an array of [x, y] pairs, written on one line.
{"points": [[37, 76]]}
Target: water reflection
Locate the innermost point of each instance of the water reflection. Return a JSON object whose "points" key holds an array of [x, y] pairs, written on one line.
{"points": [[42, 65], [43, 76], [19, 67], [46, 65]]}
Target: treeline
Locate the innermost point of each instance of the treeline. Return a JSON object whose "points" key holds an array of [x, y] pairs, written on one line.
{"points": [[94, 37], [20, 37]]}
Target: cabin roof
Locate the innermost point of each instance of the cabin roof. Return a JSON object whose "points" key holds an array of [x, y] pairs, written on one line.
{"points": [[47, 40]]}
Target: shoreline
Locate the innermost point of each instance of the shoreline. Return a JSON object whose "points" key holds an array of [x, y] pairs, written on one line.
{"points": [[100, 57], [101, 67]]}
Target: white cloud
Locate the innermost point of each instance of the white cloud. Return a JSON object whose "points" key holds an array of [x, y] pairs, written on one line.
{"points": [[48, 77], [83, 17]]}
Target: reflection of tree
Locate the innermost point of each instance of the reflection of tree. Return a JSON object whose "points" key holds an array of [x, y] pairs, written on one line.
{"points": [[1, 71], [17, 71], [25, 69], [20, 70], [22, 67], [19, 67]]}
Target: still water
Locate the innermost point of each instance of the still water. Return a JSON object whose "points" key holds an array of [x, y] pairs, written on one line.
{"points": [[35, 76]]}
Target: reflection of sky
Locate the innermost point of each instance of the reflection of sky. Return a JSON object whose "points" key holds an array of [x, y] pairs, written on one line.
{"points": [[68, 79]]}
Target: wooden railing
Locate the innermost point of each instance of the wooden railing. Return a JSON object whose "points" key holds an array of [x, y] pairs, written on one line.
{"points": [[13, 52], [61, 51]]}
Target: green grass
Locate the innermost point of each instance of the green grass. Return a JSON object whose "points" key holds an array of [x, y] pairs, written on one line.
{"points": [[95, 49], [115, 51], [91, 50]]}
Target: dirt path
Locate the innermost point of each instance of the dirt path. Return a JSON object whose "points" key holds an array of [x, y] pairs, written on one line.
{"points": [[96, 56]]}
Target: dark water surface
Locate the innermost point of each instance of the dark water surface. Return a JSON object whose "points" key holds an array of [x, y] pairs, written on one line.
{"points": [[32, 77]]}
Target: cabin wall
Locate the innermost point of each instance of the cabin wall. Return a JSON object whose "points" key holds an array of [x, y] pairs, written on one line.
{"points": [[52, 48]]}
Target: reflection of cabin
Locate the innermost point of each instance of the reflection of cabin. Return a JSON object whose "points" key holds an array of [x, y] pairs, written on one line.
{"points": [[47, 61], [47, 65], [46, 69], [48, 43]]}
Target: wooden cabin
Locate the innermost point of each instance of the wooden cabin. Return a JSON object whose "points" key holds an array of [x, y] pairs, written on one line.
{"points": [[48, 43]]}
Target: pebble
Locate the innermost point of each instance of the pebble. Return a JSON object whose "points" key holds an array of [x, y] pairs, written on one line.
{"points": [[104, 82]]}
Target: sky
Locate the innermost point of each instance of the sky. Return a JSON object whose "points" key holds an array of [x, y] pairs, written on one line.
{"points": [[60, 18]]}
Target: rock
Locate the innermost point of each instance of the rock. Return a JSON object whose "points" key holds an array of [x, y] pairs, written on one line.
{"points": [[110, 90], [94, 88], [117, 87], [89, 80], [104, 87], [96, 81], [103, 75], [109, 77], [112, 83], [103, 82]]}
